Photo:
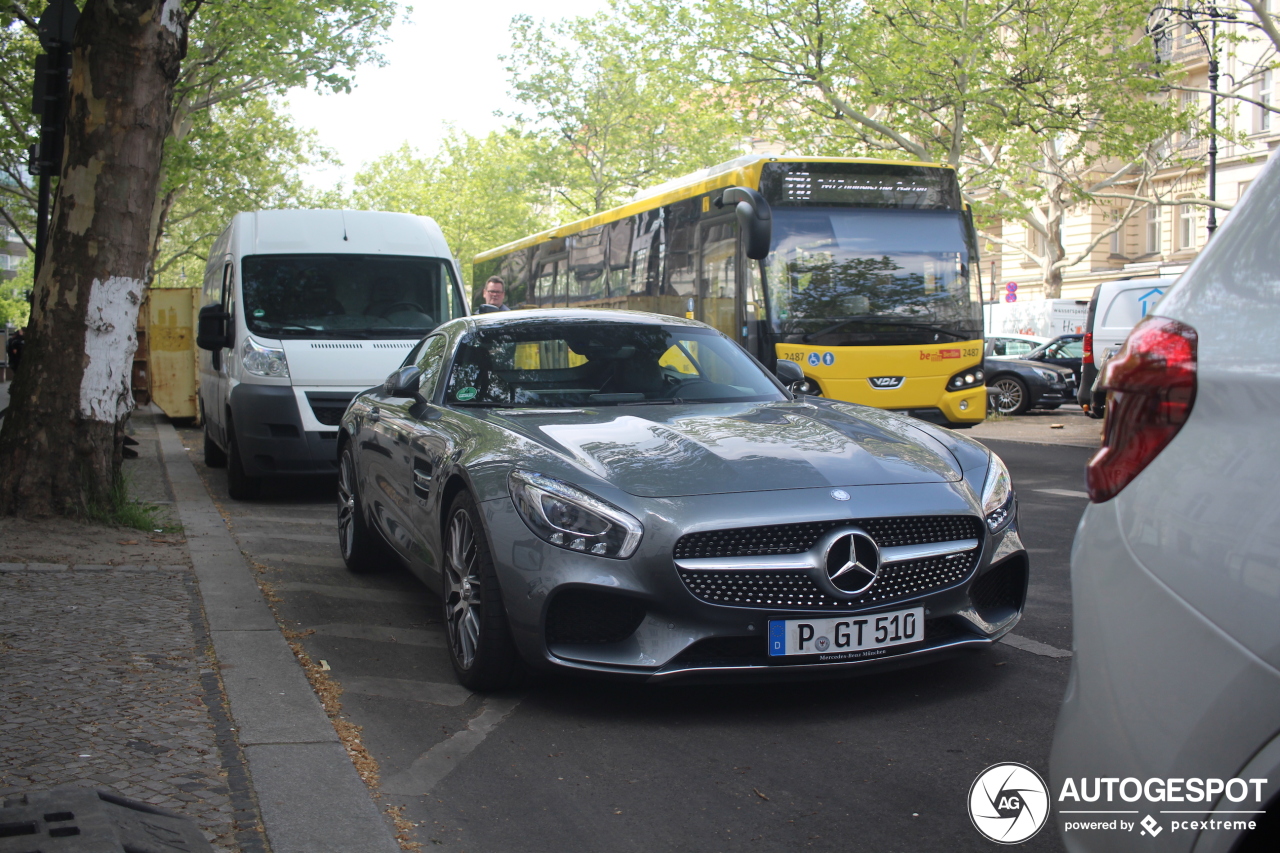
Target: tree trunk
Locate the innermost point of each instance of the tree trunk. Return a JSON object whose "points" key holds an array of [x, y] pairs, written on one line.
{"points": [[61, 439]]}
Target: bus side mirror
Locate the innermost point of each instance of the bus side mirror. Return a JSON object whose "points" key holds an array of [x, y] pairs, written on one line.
{"points": [[754, 217], [790, 375], [213, 328]]}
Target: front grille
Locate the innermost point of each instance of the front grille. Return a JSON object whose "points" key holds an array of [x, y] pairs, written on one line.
{"points": [[798, 538], [328, 415], [796, 590], [329, 406]]}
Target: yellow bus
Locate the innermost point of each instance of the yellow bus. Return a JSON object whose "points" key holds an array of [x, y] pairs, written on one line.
{"points": [[870, 281]]}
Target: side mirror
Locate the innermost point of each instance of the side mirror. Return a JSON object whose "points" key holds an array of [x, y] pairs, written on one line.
{"points": [[754, 217], [403, 383], [213, 328], [790, 375]]}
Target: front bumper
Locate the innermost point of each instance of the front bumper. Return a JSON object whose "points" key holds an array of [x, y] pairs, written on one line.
{"points": [[277, 437], [681, 635]]}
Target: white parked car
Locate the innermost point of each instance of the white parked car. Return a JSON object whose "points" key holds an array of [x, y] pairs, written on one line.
{"points": [[1171, 721]]}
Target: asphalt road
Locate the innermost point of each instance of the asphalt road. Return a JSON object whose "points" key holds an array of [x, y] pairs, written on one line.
{"points": [[876, 763]]}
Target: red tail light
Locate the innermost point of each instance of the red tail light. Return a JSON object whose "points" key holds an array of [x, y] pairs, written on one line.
{"points": [[1151, 387], [1088, 346]]}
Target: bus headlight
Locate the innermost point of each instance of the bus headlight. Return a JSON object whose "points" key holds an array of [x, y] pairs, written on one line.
{"points": [[264, 361], [970, 378]]}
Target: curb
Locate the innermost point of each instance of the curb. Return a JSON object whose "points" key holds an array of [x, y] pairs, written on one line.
{"points": [[311, 798]]}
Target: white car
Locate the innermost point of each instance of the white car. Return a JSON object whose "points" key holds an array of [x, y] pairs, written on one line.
{"points": [[1169, 736], [1012, 345]]}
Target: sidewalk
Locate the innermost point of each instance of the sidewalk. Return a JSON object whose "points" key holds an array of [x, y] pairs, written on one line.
{"points": [[148, 664]]}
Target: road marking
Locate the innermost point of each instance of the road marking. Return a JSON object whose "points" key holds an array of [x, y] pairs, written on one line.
{"points": [[405, 688], [351, 593], [384, 634], [436, 763], [327, 519], [331, 539], [1064, 493], [1036, 648], [297, 560]]}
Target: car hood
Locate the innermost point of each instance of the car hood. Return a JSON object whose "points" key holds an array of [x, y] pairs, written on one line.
{"points": [[676, 451]]}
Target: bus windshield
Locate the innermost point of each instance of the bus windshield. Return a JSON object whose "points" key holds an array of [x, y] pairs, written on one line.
{"points": [[347, 296], [870, 277]]}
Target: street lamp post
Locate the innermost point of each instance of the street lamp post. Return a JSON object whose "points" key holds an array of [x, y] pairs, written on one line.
{"points": [[1194, 20]]}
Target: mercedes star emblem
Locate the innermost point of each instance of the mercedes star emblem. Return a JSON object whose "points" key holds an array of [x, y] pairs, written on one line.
{"points": [[853, 563]]}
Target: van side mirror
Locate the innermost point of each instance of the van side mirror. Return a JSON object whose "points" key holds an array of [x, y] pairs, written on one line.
{"points": [[754, 218], [790, 375], [403, 383], [213, 328]]}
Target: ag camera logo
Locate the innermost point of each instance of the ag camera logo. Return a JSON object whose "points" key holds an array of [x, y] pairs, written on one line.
{"points": [[1008, 803]]}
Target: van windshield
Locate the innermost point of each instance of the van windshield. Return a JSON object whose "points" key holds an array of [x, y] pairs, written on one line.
{"points": [[347, 296]]}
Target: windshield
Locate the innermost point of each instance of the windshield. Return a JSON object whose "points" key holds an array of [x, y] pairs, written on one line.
{"points": [[572, 364], [347, 296], [857, 277]]}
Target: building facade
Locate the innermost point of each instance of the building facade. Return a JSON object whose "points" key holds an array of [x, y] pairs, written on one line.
{"points": [[1162, 239]]}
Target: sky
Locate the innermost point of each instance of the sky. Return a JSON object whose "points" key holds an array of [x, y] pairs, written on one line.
{"points": [[442, 68]]}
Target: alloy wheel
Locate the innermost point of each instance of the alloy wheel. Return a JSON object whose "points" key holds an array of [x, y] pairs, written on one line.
{"points": [[463, 606], [1008, 397], [346, 506]]}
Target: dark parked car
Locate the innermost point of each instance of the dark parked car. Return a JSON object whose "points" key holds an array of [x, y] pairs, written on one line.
{"points": [[633, 495], [1063, 351], [1020, 385]]}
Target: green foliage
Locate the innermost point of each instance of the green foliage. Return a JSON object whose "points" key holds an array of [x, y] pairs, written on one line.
{"points": [[240, 155], [616, 112], [14, 307], [117, 508], [482, 191]]}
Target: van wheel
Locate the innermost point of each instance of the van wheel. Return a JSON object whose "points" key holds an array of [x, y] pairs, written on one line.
{"points": [[362, 548], [480, 646], [240, 485], [214, 456]]}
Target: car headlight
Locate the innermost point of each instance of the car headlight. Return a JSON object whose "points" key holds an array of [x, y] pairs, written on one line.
{"points": [[997, 495], [1049, 376], [569, 518], [264, 361]]}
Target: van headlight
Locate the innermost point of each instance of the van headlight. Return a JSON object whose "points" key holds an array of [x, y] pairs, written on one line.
{"points": [[997, 495], [569, 518], [264, 361]]}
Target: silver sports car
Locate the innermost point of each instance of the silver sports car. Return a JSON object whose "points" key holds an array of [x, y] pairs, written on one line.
{"points": [[633, 495]]}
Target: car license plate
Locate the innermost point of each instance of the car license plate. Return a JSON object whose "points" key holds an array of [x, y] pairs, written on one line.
{"points": [[843, 638]]}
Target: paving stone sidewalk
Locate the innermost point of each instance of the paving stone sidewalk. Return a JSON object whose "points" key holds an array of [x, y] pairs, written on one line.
{"points": [[107, 681]]}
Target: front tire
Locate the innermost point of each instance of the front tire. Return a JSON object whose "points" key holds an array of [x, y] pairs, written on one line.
{"points": [[362, 550], [240, 485], [1012, 397], [214, 456], [480, 647]]}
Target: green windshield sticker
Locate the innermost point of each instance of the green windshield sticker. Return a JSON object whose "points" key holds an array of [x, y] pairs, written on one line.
{"points": [[465, 394], [258, 312]]}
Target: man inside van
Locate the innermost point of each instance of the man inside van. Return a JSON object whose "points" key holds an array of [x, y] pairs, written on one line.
{"points": [[495, 291]]}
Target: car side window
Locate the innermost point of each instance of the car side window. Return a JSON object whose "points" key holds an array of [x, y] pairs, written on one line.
{"points": [[1072, 349], [1016, 347], [430, 361]]}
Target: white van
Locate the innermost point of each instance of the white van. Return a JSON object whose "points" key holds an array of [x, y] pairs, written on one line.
{"points": [[1115, 308], [302, 310]]}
